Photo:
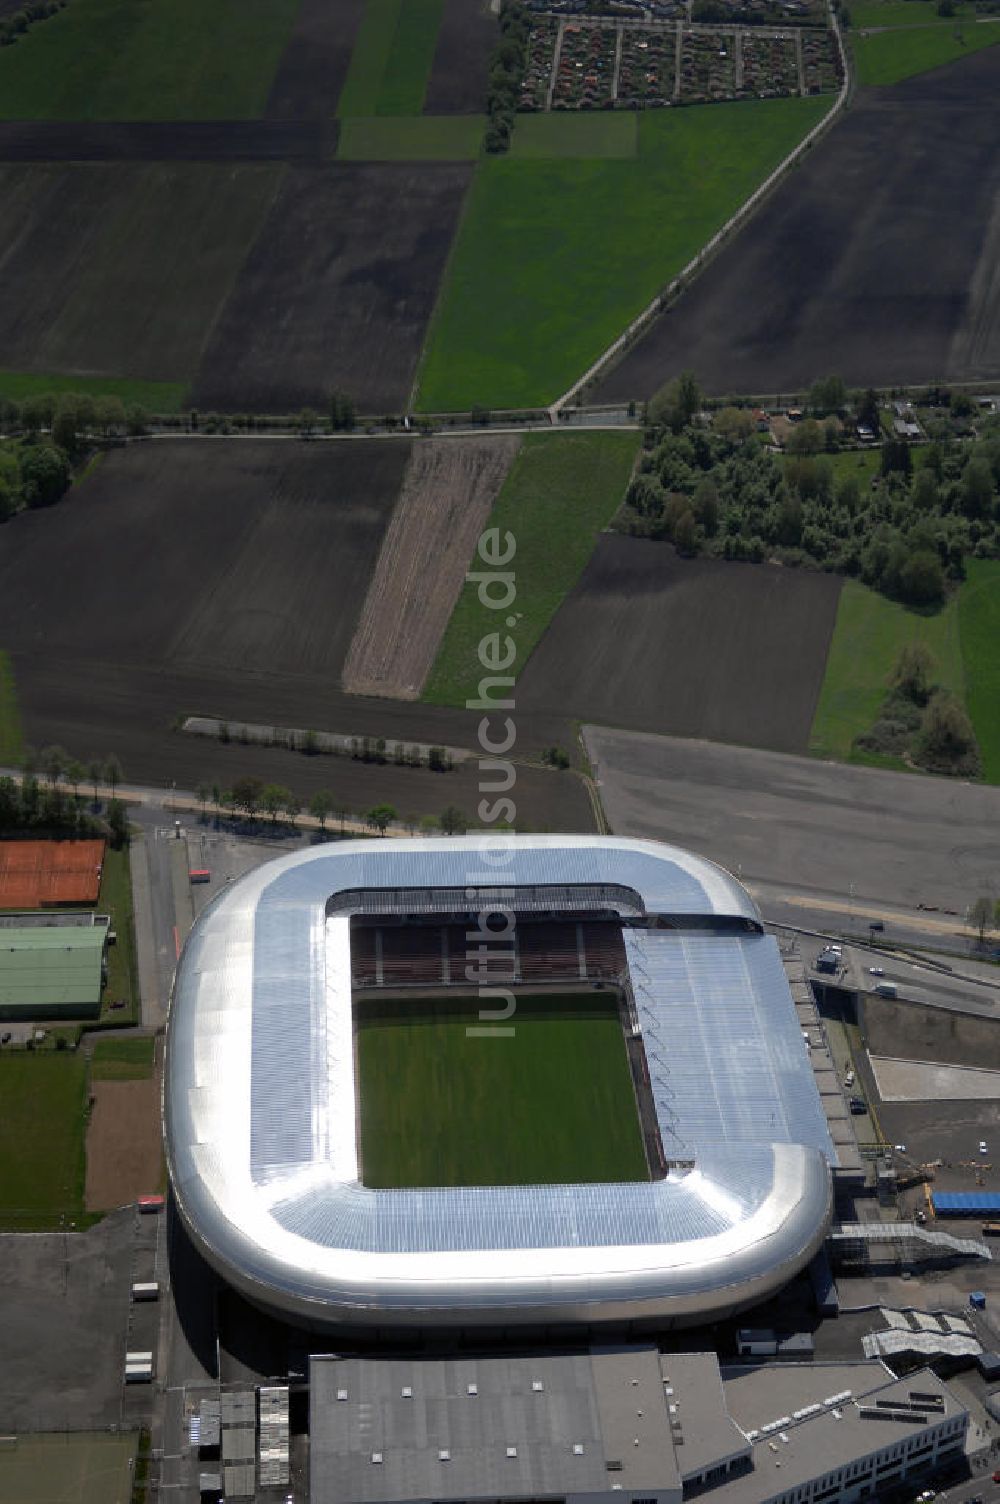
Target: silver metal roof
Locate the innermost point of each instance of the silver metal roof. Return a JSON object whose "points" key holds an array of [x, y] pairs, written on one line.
{"points": [[260, 1119]]}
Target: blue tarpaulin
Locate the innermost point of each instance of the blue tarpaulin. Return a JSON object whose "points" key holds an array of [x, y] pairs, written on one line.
{"points": [[966, 1203]]}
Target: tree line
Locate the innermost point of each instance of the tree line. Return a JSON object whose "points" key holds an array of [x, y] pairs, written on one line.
{"points": [[252, 798], [506, 75], [53, 803], [13, 27], [719, 488]]}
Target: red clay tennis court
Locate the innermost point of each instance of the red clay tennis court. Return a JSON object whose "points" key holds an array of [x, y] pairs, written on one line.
{"points": [[43, 874]]}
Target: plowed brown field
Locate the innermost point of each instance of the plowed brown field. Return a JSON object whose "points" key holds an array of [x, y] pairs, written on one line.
{"points": [[448, 492]]}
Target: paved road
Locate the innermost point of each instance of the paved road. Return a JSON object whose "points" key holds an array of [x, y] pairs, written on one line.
{"points": [[811, 835]]}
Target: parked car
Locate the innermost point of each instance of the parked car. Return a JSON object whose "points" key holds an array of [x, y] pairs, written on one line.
{"points": [[876, 971], [856, 1104], [982, 1146], [899, 1148]]}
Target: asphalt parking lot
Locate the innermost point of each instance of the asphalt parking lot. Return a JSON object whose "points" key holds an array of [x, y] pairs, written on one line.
{"points": [[63, 1322]]}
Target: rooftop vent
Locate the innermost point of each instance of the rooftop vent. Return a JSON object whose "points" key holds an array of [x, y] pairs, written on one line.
{"points": [[444, 1455], [537, 1386], [341, 1394], [406, 1392], [578, 1449], [512, 1451], [376, 1457], [472, 1389]]}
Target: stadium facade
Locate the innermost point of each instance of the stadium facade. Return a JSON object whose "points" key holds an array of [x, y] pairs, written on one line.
{"points": [[260, 1109]]}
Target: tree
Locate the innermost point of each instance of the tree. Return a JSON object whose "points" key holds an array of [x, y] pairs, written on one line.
{"points": [[921, 579], [66, 424], [946, 742], [117, 823], [706, 505], [342, 415], [977, 488], [913, 672], [203, 793], [321, 806], [452, 821], [45, 475], [247, 794], [75, 774], [827, 396], [272, 799], [292, 805], [380, 816], [686, 534], [429, 824], [734, 424], [806, 438], [983, 915], [896, 457], [868, 411], [109, 415], [676, 404], [308, 422], [924, 491], [53, 761], [95, 772], [136, 419], [112, 773]]}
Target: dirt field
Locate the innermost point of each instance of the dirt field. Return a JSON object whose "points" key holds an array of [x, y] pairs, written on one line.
{"points": [[311, 74], [448, 492], [244, 609], [167, 141], [124, 1143], [855, 265], [458, 81], [119, 269], [337, 290], [908, 1031], [688, 647]]}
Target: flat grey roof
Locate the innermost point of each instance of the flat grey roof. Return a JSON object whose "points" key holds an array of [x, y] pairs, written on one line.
{"points": [[696, 1401]]}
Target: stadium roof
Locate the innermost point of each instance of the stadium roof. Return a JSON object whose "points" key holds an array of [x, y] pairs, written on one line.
{"points": [[260, 1105], [45, 968]]}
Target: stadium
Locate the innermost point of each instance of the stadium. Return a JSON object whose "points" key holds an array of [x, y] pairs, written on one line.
{"points": [[548, 1081]]}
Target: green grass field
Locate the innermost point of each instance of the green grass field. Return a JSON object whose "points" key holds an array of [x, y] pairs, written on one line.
{"points": [[561, 490], [417, 138], [42, 1125], [392, 58], [890, 56], [11, 741], [576, 133], [147, 60], [123, 1059], [902, 13], [551, 1103], [154, 396], [63, 1468], [115, 898], [979, 628], [554, 256], [869, 633]]}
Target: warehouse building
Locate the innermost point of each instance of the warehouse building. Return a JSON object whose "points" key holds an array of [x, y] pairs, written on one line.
{"points": [[52, 971], [621, 1423]]}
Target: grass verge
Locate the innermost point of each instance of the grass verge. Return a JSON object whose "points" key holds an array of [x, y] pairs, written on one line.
{"points": [[115, 898], [572, 133], [42, 1128], [555, 256], [154, 396], [890, 56], [11, 740], [420, 138], [551, 1102], [868, 635], [123, 1059], [979, 628], [902, 13], [561, 490], [147, 60]]}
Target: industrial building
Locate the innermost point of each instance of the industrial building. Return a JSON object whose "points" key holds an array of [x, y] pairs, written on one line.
{"points": [[51, 970], [260, 1098], [621, 1423]]}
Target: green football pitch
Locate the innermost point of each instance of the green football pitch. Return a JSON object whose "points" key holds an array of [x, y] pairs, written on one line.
{"points": [[550, 1102]]}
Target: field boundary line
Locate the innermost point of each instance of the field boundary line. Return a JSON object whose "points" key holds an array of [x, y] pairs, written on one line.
{"points": [[735, 221]]}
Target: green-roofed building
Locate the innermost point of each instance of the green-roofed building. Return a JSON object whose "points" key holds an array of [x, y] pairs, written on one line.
{"points": [[51, 971]]}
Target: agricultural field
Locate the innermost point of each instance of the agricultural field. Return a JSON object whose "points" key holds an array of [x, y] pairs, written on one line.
{"points": [[155, 396], [392, 58], [560, 492], [884, 297], [162, 60], [445, 500], [697, 647], [313, 67], [551, 1103], [421, 138], [133, 290], [979, 634], [869, 635], [576, 135], [888, 57], [244, 610], [879, 13], [11, 741], [67, 1469], [542, 243], [41, 1140], [337, 290], [458, 77]]}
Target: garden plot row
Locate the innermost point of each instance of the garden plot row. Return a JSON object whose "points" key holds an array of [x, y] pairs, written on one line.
{"points": [[595, 65]]}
